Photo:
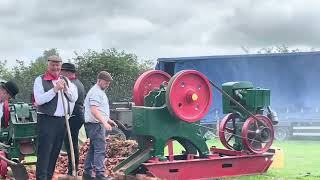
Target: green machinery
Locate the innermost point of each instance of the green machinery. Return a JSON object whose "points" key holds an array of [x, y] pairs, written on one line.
{"points": [[155, 120], [169, 109], [239, 129], [18, 133], [253, 99]]}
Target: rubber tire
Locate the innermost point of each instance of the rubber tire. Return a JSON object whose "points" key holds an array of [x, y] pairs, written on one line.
{"points": [[282, 133]]}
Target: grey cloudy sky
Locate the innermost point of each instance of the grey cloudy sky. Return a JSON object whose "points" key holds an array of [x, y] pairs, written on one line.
{"points": [[155, 28]]}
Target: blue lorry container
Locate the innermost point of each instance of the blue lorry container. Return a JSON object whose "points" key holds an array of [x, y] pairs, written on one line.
{"points": [[293, 79]]}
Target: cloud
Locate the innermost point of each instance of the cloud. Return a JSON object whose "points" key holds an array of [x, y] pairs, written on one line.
{"points": [[153, 29], [266, 23]]}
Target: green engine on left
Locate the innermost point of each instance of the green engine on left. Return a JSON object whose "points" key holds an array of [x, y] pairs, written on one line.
{"points": [[18, 130]]}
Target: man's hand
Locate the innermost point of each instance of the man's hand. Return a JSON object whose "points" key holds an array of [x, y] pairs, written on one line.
{"points": [[59, 85], [106, 123], [112, 123], [65, 89], [107, 126]]}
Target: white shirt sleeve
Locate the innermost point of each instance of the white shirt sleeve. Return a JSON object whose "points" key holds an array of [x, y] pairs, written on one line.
{"points": [[1, 112], [72, 92], [40, 96]]}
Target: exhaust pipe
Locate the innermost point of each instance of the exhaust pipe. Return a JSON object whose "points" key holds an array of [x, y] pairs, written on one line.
{"points": [[272, 115]]}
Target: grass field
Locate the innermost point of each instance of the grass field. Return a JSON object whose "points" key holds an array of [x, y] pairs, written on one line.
{"points": [[301, 160]]}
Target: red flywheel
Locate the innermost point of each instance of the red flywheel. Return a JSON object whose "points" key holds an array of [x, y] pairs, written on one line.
{"points": [[257, 135], [228, 130], [189, 95], [148, 81]]}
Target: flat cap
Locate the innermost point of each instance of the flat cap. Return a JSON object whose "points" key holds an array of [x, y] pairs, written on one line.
{"points": [[68, 67], [104, 75], [54, 58]]}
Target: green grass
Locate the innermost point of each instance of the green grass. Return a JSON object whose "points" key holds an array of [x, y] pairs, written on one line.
{"points": [[301, 161]]}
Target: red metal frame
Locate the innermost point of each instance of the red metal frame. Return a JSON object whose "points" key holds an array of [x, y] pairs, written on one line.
{"points": [[222, 163], [170, 149]]}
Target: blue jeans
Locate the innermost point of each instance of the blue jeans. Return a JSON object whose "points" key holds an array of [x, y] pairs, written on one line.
{"points": [[97, 150]]}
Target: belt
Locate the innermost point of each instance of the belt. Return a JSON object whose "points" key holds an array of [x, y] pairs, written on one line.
{"points": [[49, 115], [92, 123]]}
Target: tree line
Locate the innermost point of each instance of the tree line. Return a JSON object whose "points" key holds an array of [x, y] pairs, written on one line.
{"points": [[124, 68]]}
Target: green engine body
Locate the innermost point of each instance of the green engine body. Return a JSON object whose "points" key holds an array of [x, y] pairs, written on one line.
{"points": [[19, 134], [255, 100], [154, 123]]}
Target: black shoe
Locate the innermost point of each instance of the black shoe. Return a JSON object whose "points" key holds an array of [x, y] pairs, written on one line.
{"points": [[87, 177]]}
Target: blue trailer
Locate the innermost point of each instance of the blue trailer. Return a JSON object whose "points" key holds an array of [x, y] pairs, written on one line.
{"points": [[291, 77]]}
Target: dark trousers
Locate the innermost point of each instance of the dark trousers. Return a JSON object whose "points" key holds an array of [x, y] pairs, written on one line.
{"points": [[51, 132], [97, 150], [75, 123]]}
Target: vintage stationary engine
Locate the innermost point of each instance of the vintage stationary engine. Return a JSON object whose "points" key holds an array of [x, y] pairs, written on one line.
{"points": [[18, 133], [169, 109], [245, 127]]}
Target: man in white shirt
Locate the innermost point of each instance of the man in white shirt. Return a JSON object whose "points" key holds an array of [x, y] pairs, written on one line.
{"points": [[97, 121], [51, 116]]}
